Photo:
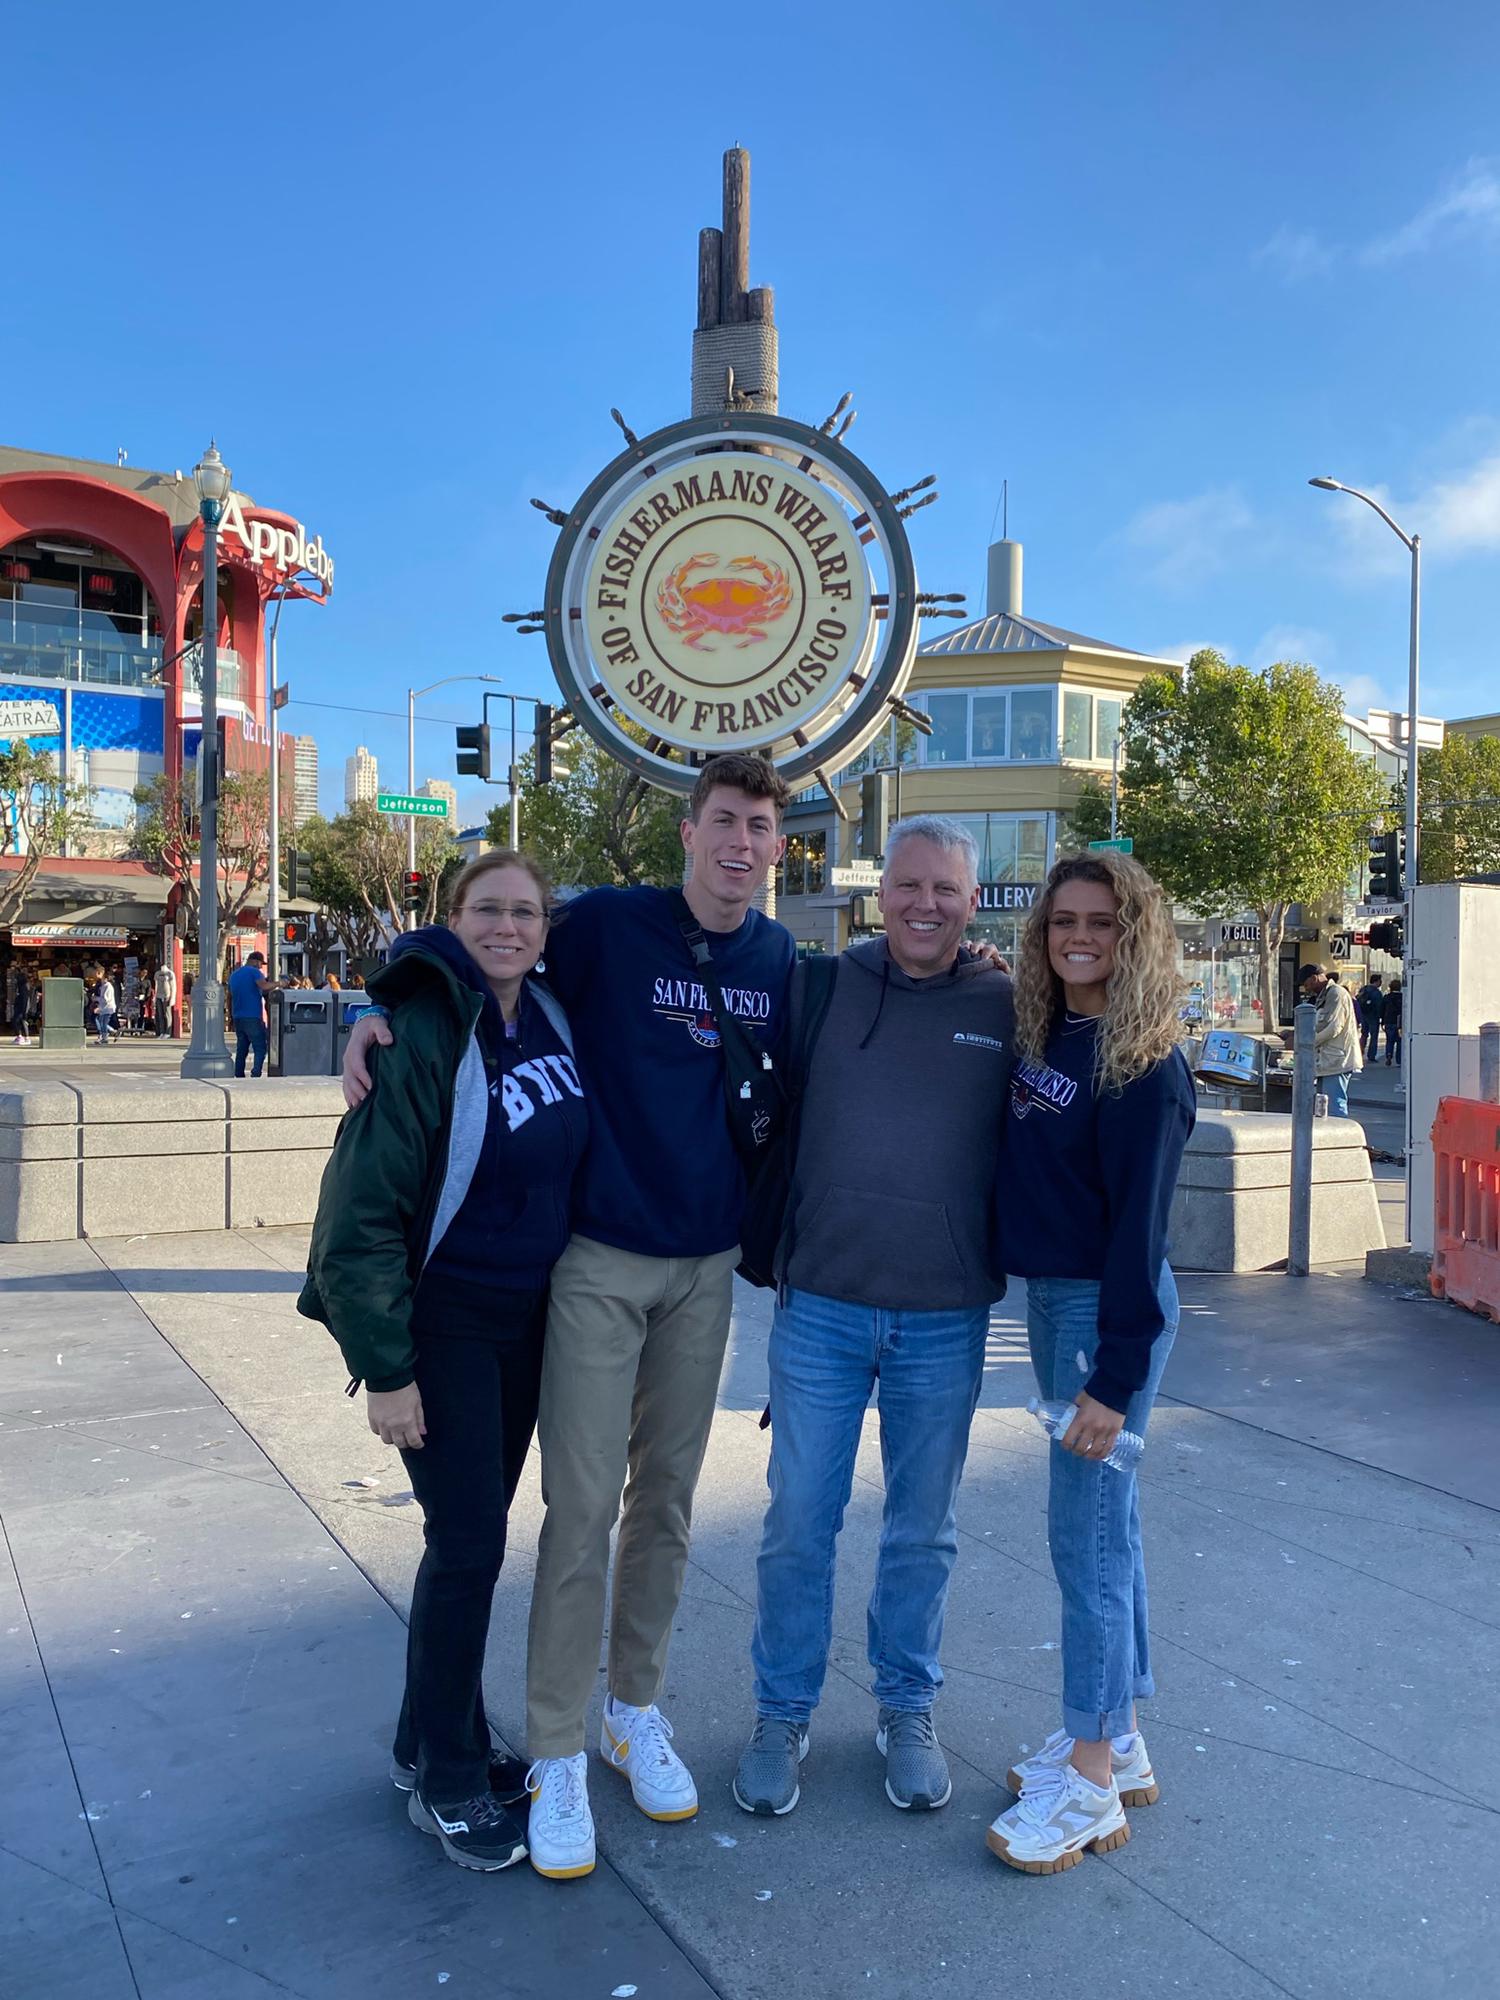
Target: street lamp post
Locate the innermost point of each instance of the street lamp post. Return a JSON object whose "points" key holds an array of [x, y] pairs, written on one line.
{"points": [[410, 920], [207, 1055], [1413, 545]]}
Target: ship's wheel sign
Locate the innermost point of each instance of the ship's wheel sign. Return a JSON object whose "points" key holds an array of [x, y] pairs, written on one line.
{"points": [[732, 584]]}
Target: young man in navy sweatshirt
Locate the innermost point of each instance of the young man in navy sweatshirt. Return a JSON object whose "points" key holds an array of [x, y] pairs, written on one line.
{"points": [[640, 1300]]}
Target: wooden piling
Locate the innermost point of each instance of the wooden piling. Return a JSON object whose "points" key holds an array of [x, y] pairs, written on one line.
{"points": [[710, 265], [734, 281]]}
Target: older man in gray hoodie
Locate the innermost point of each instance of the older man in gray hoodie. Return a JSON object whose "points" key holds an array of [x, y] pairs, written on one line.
{"points": [[887, 1277]]}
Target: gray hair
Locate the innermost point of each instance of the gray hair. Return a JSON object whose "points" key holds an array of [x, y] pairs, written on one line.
{"points": [[949, 834]]}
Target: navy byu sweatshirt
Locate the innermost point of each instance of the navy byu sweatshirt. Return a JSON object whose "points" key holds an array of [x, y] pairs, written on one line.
{"points": [[1085, 1190]]}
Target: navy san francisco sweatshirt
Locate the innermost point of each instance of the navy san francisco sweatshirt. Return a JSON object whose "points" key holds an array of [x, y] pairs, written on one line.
{"points": [[1085, 1190]]}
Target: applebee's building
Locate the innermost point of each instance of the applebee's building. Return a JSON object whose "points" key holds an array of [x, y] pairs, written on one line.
{"points": [[101, 630]]}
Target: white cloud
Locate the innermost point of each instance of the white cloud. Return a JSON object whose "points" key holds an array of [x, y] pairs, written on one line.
{"points": [[1298, 253], [1293, 642], [1457, 515], [1362, 692], [1469, 206], [1183, 542], [1186, 649]]}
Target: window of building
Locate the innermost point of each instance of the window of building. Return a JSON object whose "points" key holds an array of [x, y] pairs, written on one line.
{"points": [[73, 612], [1078, 724], [1031, 712], [991, 726], [949, 741], [1106, 727], [804, 865]]}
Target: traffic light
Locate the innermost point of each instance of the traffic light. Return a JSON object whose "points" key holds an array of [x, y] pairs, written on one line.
{"points": [[874, 813], [542, 772], [1385, 867], [1388, 936], [299, 874], [474, 752], [294, 932], [413, 889]]}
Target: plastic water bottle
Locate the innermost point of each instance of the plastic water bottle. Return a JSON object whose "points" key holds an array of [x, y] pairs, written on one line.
{"points": [[1055, 1418]]}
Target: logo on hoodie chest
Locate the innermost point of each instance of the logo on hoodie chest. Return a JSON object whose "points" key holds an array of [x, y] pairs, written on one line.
{"points": [[687, 1000], [1038, 1087]]}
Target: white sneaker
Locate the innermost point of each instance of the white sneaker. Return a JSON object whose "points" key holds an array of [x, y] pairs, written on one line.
{"points": [[638, 1743], [1131, 1769], [1055, 1820], [560, 1831]]}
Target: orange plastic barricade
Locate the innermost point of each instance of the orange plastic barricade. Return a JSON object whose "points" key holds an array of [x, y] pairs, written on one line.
{"points": [[1466, 1190]]}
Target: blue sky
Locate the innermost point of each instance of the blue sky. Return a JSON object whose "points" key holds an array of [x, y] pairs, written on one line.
{"points": [[1154, 265]]}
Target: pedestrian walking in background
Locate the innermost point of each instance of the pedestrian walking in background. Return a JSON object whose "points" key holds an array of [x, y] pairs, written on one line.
{"points": [[1101, 1106], [164, 998], [886, 1280], [1336, 1052], [21, 985], [1368, 1002], [1390, 1018], [247, 1009], [444, 1206], [105, 1005]]}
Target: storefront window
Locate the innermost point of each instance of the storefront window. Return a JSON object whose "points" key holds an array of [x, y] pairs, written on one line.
{"points": [[803, 866], [1031, 849], [817, 855]]}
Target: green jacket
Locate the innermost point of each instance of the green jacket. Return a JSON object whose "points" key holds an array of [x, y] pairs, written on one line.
{"points": [[400, 1166]]}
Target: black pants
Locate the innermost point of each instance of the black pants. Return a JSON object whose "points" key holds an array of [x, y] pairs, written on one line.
{"points": [[479, 1371]]}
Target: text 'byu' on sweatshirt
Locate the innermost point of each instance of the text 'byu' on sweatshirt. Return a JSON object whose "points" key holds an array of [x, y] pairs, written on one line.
{"points": [[900, 1134], [1085, 1190]]}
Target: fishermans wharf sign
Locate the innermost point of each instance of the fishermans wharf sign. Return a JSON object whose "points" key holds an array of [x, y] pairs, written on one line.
{"points": [[732, 583]]}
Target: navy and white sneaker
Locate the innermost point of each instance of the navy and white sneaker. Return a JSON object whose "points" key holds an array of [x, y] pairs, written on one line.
{"points": [[476, 1833]]}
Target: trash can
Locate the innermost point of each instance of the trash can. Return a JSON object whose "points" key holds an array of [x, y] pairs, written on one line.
{"points": [[350, 1007], [62, 1013], [301, 1032]]}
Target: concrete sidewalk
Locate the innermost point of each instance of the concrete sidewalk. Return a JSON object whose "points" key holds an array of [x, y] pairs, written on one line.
{"points": [[202, 1659]]}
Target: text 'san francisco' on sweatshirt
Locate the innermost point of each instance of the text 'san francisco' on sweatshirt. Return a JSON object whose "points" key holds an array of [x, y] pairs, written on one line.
{"points": [[901, 1129]]}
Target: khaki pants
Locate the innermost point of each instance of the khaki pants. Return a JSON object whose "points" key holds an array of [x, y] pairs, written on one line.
{"points": [[630, 1377]]}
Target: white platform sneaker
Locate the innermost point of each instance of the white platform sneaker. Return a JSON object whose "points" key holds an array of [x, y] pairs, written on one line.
{"points": [[1130, 1769], [637, 1742]]}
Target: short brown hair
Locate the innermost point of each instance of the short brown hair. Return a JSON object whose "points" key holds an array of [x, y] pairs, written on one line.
{"points": [[485, 864], [739, 771]]}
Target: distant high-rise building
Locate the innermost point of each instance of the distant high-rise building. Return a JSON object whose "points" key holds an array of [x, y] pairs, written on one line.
{"points": [[439, 788], [361, 777], [305, 781]]}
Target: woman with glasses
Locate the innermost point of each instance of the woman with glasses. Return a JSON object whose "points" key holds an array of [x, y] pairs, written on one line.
{"points": [[444, 1206], [1101, 1105]]}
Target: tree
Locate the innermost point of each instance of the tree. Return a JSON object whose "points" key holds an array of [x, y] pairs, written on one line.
{"points": [[1240, 791], [39, 816], [168, 839], [1458, 807], [599, 825], [358, 865]]}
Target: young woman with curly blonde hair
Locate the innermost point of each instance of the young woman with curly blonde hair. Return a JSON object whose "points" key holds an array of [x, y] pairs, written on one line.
{"points": [[1101, 1105]]}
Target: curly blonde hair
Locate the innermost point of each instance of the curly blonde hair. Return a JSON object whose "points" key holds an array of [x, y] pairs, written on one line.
{"points": [[1140, 1024]]}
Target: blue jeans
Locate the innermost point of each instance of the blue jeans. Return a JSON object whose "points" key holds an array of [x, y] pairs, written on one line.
{"points": [[104, 1020], [249, 1039], [826, 1356], [1093, 1519], [1336, 1089]]}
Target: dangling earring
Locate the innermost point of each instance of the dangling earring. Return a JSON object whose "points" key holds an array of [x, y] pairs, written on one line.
{"points": [[540, 966]]}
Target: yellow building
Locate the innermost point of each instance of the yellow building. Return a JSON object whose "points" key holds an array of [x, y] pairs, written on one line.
{"points": [[1022, 714], [1474, 726]]}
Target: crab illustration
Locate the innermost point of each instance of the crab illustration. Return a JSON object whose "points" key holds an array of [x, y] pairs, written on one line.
{"points": [[739, 605]]}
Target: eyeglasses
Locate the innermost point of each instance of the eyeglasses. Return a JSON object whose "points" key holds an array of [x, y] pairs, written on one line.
{"points": [[520, 913]]}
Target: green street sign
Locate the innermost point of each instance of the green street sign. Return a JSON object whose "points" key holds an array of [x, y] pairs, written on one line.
{"points": [[1124, 845], [408, 807]]}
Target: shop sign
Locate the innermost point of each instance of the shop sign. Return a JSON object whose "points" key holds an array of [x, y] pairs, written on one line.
{"points": [[28, 718], [714, 587], [284, 550], [45, 934], [1008, 895], [1226, 936]]}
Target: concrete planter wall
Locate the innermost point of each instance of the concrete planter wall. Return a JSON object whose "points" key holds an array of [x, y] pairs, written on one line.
{"points": [[152, 1157], [1232, 1209]]}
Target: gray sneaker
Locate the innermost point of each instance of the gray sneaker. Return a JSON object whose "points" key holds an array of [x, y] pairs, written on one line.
{"points": [[916, 1771], [766, 1781]]}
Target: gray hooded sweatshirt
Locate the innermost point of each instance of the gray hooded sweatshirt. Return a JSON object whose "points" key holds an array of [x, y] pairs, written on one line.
{"points": [[900, 1136]]}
